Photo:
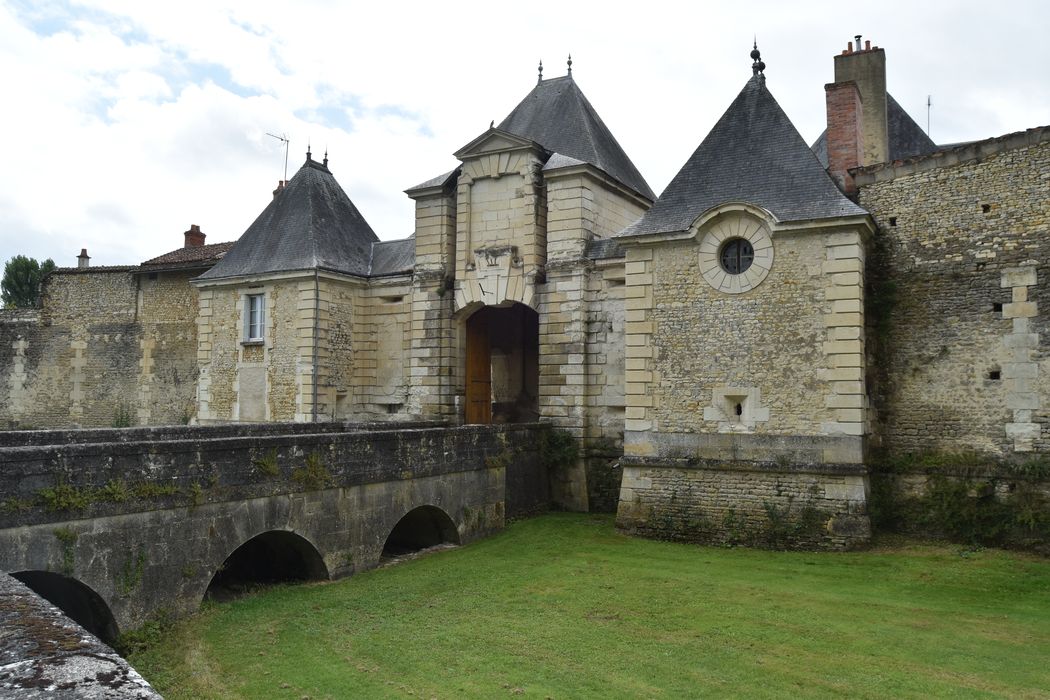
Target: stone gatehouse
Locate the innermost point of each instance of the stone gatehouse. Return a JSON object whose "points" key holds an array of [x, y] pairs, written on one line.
{"points": [[727, 354]]}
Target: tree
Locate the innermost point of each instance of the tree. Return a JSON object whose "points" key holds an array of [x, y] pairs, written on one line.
{"points": [[22, 277]]}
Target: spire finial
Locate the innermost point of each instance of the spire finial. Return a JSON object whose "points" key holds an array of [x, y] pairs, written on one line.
{"points": [[325, 162], [309, 156], [570, 64], [757, 66], [541, 72]]}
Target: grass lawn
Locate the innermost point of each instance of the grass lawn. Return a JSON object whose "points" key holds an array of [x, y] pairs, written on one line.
{"points": [[561, 606]]}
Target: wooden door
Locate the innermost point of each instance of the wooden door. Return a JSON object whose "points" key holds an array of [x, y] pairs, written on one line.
{"points": [[479, 370]]}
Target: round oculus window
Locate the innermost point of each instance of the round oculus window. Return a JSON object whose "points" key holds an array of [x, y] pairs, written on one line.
{"points": [[736, 252], [736, 255]]}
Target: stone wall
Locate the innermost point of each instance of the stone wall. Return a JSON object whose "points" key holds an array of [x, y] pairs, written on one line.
{"points": [[709, 366], [958, 297], [747, 503], [108, 346], [338, 353], [433, 365], [268, 380], [167, 377], [744, 392], [382, 347], [979, 504], [603, 431]]}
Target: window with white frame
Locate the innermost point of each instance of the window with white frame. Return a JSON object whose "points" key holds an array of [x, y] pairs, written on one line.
{"points": [[254, 317]]}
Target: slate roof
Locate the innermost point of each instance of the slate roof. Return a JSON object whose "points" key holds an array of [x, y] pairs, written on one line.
{"points": [[753, 154], [603, 249], [311, 224], [557, 115], [906, 138], [190, 257], [393, 257], [439, 181]]}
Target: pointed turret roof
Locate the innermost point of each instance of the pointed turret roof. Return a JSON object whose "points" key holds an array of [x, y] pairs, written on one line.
{"points": [[753, 154], [310, 224], [557, 115]]}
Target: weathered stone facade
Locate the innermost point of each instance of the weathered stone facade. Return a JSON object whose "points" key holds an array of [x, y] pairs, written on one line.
{"points": [[960, 284], [109, 346], [544, 280]]}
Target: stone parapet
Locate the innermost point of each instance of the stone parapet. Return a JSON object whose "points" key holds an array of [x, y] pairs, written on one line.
{"points": [[148, 470], [44, 654]]}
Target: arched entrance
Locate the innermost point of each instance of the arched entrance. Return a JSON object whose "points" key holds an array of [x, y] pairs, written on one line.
{"points": [[77, 601], [502, 365], [276, 556], [420, 528]]}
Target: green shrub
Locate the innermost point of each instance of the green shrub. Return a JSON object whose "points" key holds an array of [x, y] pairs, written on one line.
{"points": [[313, 475]]}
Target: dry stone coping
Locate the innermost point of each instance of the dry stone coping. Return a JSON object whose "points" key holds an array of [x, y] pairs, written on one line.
{"points": [[44, 654]]}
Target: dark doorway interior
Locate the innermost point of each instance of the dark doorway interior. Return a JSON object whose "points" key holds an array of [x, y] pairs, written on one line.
{"points": [[502, 367]]}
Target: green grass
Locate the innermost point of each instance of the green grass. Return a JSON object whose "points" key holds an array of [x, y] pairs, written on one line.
{"points": [[562, 606]]}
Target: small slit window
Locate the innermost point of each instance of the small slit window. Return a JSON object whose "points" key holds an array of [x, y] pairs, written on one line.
{"points": [[736, 256], [254, 317], [995, 375]]}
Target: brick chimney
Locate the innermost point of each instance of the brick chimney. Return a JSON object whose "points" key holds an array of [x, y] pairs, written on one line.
{"points": [[844, 136], [281, 184], [194, 237], [867, 68], [83, 260]]}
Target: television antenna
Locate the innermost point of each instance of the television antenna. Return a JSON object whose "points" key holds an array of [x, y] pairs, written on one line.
{"points": [[929, 103], [284, 139]]}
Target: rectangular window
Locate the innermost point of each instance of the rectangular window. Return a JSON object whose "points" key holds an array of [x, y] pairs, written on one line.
{"points": [[254, 317]]}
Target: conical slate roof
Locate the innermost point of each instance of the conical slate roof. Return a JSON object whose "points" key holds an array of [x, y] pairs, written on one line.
{"points": [[557, 115], [311, 224], [906, 138], [753, 154]]}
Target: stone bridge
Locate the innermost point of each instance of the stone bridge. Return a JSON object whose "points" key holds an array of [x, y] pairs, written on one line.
{"points": [[114, 526]]}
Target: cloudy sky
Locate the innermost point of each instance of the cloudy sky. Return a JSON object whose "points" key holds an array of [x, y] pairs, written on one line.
{"points": [[126, 121]]}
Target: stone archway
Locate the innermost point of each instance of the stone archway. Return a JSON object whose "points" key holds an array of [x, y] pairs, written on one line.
{"points": [[77, 600], [274, 556], [420, 528], [502, 365]]}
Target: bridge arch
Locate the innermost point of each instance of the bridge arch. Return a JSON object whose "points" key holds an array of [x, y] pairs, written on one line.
{"points": [[272, 556], [422, 527], [76, 599]]}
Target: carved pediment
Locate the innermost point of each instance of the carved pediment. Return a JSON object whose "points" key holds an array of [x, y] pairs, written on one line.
{"points": [[492, 141]]}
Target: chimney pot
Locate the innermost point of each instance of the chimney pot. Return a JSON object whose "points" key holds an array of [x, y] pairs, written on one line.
{"points": [[867, 44], [194, 238]]}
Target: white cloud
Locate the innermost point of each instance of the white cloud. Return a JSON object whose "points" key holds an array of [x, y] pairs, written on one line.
{"points": [[127, 121]]}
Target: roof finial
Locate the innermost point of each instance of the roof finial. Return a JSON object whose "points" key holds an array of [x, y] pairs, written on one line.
{"points": [[570, 64], [541, 72], [757, 66], [325, 162], [309, 156]]}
